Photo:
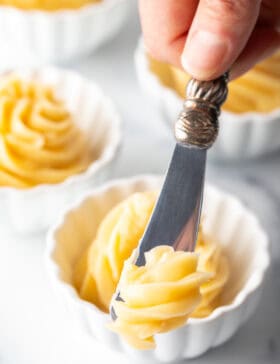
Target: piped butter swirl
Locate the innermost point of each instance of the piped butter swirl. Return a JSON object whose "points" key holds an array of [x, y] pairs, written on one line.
{"points": [[213, 260], [39, 141], [158, 297], [98, 272], [49, 5]]}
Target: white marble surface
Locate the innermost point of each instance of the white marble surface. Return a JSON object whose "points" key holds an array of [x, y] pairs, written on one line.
{"points": [[34, 328]]}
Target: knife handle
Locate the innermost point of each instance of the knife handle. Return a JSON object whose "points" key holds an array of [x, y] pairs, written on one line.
{"points": [[197, 125]]}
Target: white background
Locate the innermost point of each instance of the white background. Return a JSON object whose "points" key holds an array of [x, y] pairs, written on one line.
{"points": [[34, 327]]}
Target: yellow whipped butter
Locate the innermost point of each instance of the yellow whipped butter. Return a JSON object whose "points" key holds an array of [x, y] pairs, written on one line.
{"points": [[47, 4], [39, 141], [256, 91], [171, 280], [213, 260], [98, 272], [158, 297]]}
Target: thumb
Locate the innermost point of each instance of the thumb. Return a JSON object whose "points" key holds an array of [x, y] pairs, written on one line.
{"points": [[219, 32]]}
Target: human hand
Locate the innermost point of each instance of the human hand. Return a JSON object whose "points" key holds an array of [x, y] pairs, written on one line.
{"points": [[208, 37]]}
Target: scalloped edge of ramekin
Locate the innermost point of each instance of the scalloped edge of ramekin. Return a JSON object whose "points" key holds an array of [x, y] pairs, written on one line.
{"points": [[198, 335], [59, 36], [17, 200], [100, 6], [241, 136]]}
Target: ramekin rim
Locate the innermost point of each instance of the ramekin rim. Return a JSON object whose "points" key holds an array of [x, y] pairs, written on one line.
{"points": [[141, 62], [109, 151], [57, 14], [240, 298]]}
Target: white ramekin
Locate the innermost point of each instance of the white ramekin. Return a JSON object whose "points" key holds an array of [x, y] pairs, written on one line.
{"points": [[241, 136], [33, 210], [225, 219], [62, 35]]}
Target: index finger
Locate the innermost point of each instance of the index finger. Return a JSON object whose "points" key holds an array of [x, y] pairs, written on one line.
{"points": [[165, 25]]}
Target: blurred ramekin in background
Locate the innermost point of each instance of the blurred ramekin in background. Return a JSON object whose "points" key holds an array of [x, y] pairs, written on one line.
{"points": [[33, 209], [241, 135], [226, 220], [62, 35]]}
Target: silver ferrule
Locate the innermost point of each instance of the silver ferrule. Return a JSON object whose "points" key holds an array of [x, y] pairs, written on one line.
{"points": [[197, 125]]}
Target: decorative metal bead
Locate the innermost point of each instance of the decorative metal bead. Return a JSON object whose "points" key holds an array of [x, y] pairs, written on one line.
{"points": [[197, 125]]}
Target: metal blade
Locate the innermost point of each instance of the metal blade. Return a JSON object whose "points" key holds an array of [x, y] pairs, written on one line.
{"points": [[176, 215]]}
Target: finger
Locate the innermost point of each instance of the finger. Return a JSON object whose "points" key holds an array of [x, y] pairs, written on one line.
{"points": [[218, 34], [262, 43], [165, 24]]}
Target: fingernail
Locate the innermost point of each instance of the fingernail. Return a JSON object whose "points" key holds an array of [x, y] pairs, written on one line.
{"points": [[204, 54]]}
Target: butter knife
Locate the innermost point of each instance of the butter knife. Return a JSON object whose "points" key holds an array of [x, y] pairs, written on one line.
{"points": [[176, 216]]}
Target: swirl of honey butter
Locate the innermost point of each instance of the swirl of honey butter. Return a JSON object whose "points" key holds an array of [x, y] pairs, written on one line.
{"points": [[47, 4], [98, 271], [157, 297], [258, 90], [213, 260], [39, 141]]}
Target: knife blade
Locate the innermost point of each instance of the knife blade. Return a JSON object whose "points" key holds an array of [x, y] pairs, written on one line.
{"points": [[175, 217]]}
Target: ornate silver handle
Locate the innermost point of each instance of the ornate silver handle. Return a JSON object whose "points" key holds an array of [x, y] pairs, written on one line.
{"points": [[197, 125]]}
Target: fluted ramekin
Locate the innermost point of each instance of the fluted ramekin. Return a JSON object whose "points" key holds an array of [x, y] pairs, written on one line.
{"points": [[33, 209], [241, 136], [225, 219], [62, 35]]}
